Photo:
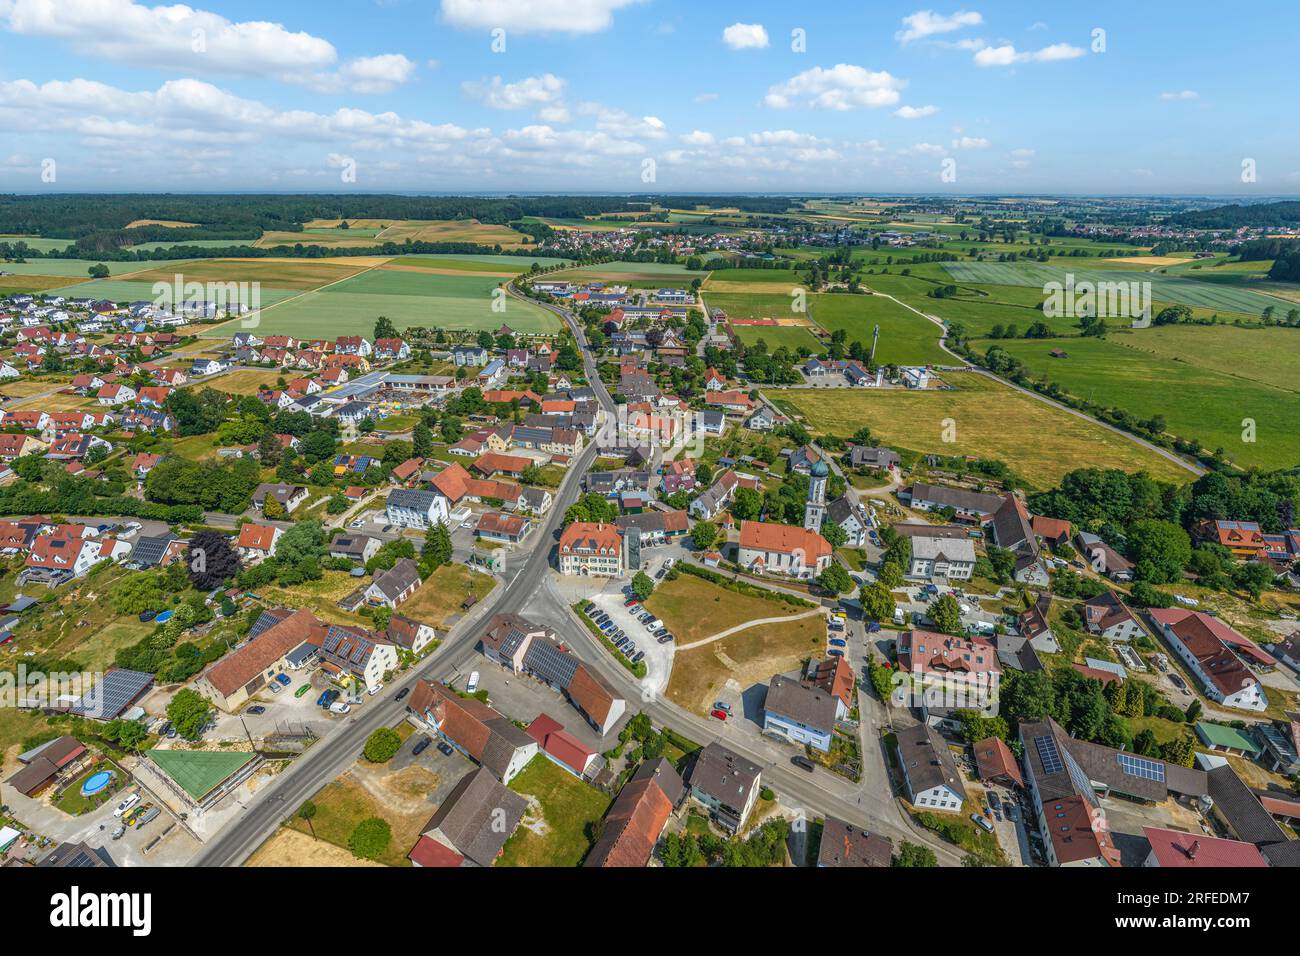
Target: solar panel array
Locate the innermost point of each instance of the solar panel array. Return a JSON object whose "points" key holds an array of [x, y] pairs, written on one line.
{"points": [[113, 694], [344, 647], [1048, 754], [550, 663], [1136, 766]]}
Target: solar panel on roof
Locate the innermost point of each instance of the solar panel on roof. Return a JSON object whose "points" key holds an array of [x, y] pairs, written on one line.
{"points": [[550, 663], [113, 694], [1048, 754], [1136, 766]]}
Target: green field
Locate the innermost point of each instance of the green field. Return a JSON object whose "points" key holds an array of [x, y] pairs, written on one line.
{"points": [[905, 337], [786, 277], [407, 298], [38, 244], [129, 290], [614, 270], [1166, 288], [79, 268], [985, 419], [1152, 372], [476, 263]]}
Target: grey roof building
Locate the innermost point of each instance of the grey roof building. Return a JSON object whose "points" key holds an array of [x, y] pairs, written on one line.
{"points": [[477, 817]]}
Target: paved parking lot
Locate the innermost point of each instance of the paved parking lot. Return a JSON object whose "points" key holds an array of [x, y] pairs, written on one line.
{"points": [[658, 657], [523, 698]]}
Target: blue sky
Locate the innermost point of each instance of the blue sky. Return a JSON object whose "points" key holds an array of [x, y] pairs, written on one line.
{"points": [[648, 95]]}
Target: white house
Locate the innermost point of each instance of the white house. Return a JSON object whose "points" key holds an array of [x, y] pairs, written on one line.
{"points": [[1201, 643], [951, 558], [929, 771], [412, 508]]}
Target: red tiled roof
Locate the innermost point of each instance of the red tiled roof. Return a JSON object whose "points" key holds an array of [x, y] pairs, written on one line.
{"points": [[428, 852], [994, 759], [237, 669], [1175, 848], [784, 539], [559, 743], [258, 536]]}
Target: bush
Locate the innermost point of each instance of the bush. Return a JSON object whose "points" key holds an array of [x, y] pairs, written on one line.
{"points": [[382, 745], [370, 838]]}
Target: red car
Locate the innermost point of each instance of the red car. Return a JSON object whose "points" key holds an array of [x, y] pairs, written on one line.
{"points": [[720, 714]]}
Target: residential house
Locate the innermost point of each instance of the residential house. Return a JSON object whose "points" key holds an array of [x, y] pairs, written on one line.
{"points": [[844, 844], [408, 634], [725, 783], [287, 496], [231, 681], [801, 713], [635, 820], [591, 550], [950, 559], [971, 507], [930, 774], [472, 825], [354, 547], [1103, 558], [411, 508], [1209, 649], [1183, 850], [257, 541], [390, 588], [1107, 616]]}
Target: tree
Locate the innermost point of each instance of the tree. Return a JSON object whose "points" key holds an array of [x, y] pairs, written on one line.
{"points": [[877, 602], [384, 328], [835, 579], [1160, 549], [188, 711], [211, 560], [705, 535], [306, 813], [914, 855], [642, 585], [422, 440], [891, 575], [834, 534], [747, 504], [945, 612], [382, 745], [437, 549], [370, 838], [98, 271]]}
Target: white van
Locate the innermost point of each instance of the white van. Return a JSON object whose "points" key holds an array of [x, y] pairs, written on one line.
{"points": [[126, 804]]}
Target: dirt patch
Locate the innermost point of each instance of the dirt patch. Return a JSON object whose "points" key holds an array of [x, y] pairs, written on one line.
{"points": [[290, 848]]}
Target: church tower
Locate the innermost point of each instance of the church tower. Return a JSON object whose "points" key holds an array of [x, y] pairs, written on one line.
{"points": [[814, 512]]}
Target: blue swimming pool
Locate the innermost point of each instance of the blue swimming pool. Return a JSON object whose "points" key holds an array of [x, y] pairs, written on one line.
{"points": [[96, 782]]}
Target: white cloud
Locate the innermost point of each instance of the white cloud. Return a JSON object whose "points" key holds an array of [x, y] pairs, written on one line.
{"points": [[1180, 95], [1020, 158], [924, 149], [745, 36], [915, 112], [1008, 55], [925, 23], [534, 16], [698, 138], [554, 114], [970, 142], [530, 92], [199, 41], [842, 87]]}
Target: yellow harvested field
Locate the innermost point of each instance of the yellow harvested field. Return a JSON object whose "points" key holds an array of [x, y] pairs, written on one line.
{"points": [[243, 382], [772, 288], [167, 223], [290, 848], [273, 273]]}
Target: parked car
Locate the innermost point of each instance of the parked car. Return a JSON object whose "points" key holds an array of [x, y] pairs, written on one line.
{"points": [[444, 748], [722, 705], [147, 616], [422, 745], [835, 652], [873, 627], [327, 698], [274, 687], [340, 707], [284, 679], [979, 820], [256, 710], [659, 575], [720, 714], [838, 642], [401, 694], [666, 639], [472, 684], [637, 657], [799, 760], [126, 805], [118, 832], [302, 690], [668, 563]]}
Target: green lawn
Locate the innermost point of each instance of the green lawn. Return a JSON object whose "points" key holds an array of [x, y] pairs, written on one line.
{"points": [[1197, 401], [570, 811], [905, 337]]}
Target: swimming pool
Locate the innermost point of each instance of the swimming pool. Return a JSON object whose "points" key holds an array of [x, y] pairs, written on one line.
{"points": [[96, 782]]}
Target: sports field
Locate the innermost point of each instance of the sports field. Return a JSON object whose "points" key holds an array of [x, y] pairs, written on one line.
{"points": [[1153, 372], [985, 419], [1167, 288]]}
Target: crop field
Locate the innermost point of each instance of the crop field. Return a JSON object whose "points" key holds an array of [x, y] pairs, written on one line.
{"points": [[905, 337], [132, 290], [80, 268], [512, 265], [275, 273], [33, 284], [407, 298], [1164, 287], [987, 420], [627, 272], [196, 243], [37, 243], [740, 280], [1196, 400], [368, 232]]}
